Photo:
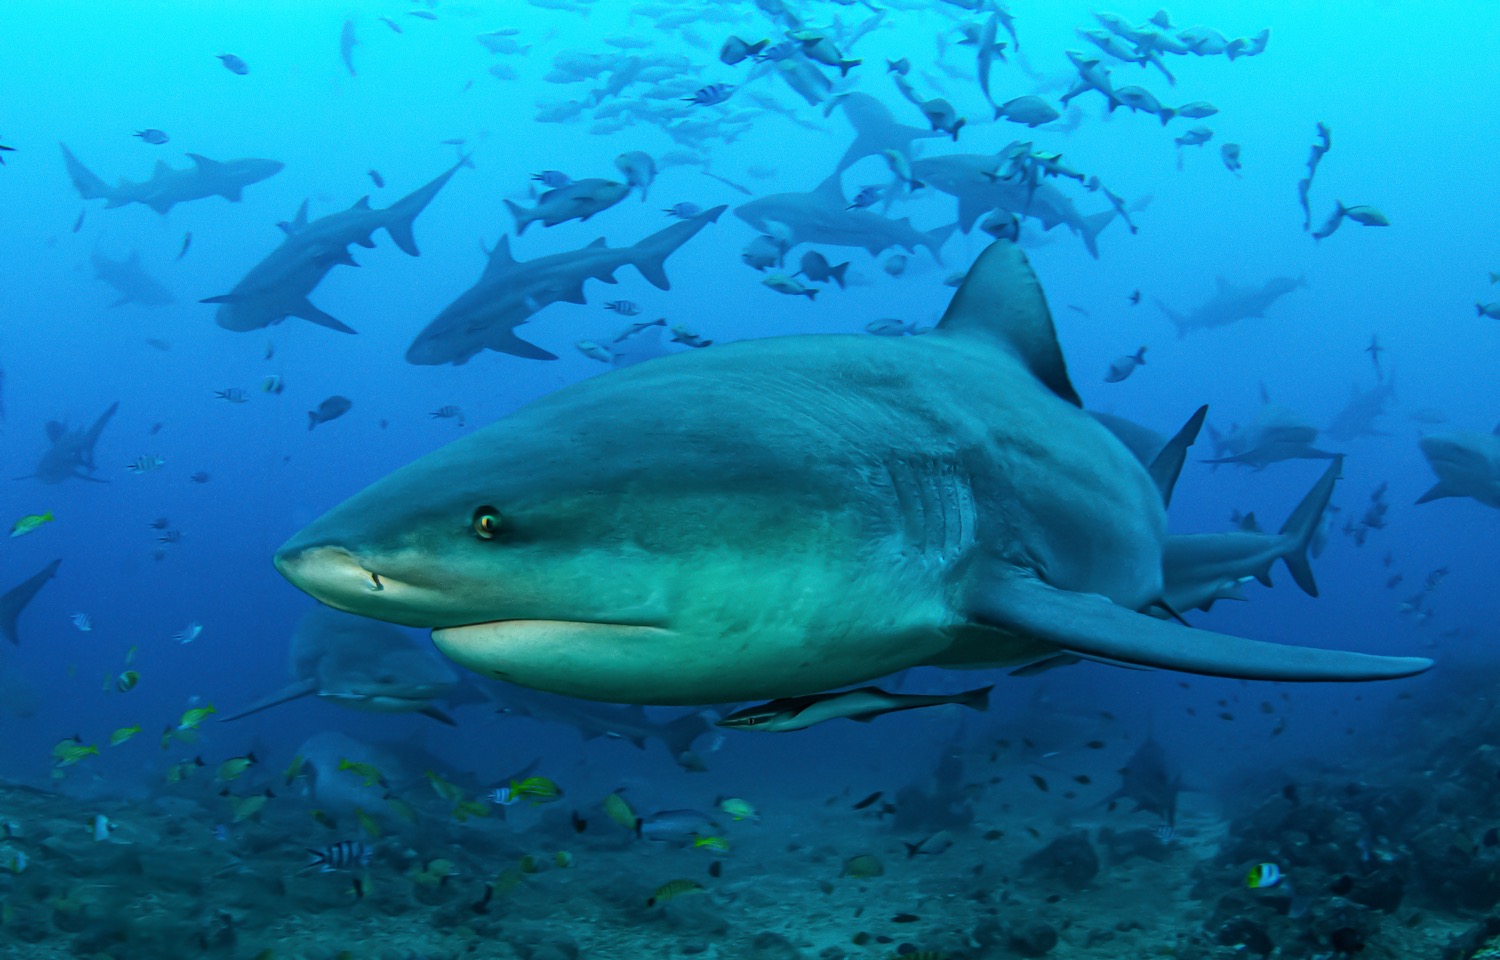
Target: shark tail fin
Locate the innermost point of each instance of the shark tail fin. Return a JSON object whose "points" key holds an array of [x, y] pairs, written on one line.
{"points": [[679, 734], [400, 215], [1166, 467], [1302, 525], [92, 437], [837, 273], [14, 600], [976, 699], [1092, 227], [650, 255], [89, 186], [522, 215], [1179, 321], [933, 240]]}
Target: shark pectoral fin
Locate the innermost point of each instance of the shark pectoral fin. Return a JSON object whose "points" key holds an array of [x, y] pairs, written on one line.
{"points": [[307, 311], [1092, 626], [1438, 491], [438, 715], [288, 693]]}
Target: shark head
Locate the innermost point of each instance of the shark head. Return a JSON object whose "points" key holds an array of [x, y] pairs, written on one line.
{"points": [[1466, 464], [600, 543]]}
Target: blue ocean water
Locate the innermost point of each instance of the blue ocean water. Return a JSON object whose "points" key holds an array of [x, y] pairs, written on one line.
{"points": [[1405, 89]]}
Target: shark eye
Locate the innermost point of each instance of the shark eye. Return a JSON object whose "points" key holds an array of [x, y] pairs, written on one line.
{"points": [[486, 522]]}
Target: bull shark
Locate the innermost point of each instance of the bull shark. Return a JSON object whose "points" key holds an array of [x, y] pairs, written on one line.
{"points": [[1199, 569], [822, 216], [607, 720], [1231, 303], [71, 454], [509, 292], [14, 600], [360, 664], [1278, 433], [1357, 418], [1151, 780], [971, 179], [278, 286], [1467, 465], [168, 187], [780, 517], [130, 280], [876, 129]]}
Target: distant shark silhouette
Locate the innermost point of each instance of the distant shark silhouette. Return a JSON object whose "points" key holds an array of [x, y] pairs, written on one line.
{"points": [[278, 286], [71, 455], [168, 187]]}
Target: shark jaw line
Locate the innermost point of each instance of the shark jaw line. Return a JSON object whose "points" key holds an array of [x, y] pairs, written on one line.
{"points": [[592, 660]]}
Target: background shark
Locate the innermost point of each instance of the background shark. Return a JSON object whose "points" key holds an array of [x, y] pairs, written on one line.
{"points": [[168, 187], [1231, 303], [278, 286], [361, 664], [822, 216], [130, 280], [510, 291], [938, 500], [1466, 464], [970, 178], [71, 454]]}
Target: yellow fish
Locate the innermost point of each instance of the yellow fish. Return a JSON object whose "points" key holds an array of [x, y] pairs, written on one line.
{"points": [[365, 771], [716, 844], [619, 811], [123, 734], [443, 788], [367, 823], [232, 768], [29, 523], [126, 681], [671, 890], [537, 789], [71, 751], [194, 716]]}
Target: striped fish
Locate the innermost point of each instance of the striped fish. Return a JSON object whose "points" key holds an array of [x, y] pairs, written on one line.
{"points": [[344, 855]]}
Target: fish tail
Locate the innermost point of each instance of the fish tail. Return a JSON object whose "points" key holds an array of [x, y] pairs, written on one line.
{"points": [[89, 186], [400, 216], [522, 215], [837, 273], [1302, 525], [650, 255], [933, 240]]}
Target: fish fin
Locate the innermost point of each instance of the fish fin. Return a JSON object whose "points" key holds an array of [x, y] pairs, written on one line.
{"points": [[1090, 626], [308, 311], [363, 203], [522, 215], [438, 715], [1092, 226], [600, 242], [297, 222], [89, 186], [500, 257], [934, 239], [14, 600], [288, 693], [222, 298], [506, 341], [650, 255], [1302, 526], [1166, 467], [1001, 301], [575, 295], [1042, 666], [203, 163], [401, 215], [1440, 490]]}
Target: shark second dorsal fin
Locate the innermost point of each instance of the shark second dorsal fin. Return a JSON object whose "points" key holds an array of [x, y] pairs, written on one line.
{"points": [[833, 186], [1002, 301]]}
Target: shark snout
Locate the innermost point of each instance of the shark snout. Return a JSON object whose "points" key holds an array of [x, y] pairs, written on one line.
{"points": [[331, 574]]}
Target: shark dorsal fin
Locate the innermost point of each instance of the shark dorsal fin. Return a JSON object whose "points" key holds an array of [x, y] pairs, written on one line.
{"points": [[363, 203], [204, 164], [500, 257], [1001, 301], [597, 243], [299, 221], [833, 186]]}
